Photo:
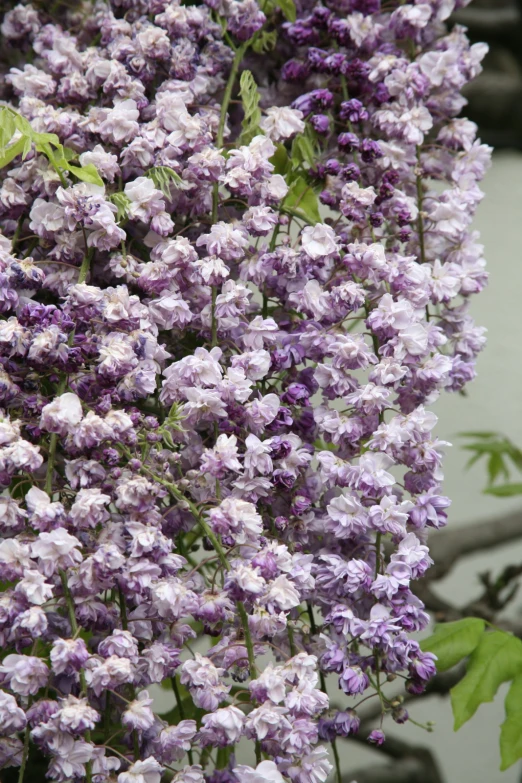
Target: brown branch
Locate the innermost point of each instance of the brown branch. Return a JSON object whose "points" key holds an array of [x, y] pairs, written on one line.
{"points": [[408, 770], [448, 546], [413, 764]]}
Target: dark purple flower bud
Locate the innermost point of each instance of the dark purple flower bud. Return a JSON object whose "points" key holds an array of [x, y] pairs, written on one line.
{"points": [[283, 478], [295, 71], [376, 737], [320, 16], [356, 70], [370, 150], [328, 198], [302, 33], [376, 219], [280, 448], [300, 504], [326, 729], [304, 103], [353, 111], [332, 166], [282, 420], [403, 217], [281, 523], [381, 94], [316, 59], [346, 723], [111, 456], [348, 141], [296, 394], [400, 715], [351, 172]]}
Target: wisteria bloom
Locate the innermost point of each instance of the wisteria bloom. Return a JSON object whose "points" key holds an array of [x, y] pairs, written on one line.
{"points": [[224, 325]]}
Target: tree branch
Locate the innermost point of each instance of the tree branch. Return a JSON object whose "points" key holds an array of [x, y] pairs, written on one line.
{"points": [[448, 546]]}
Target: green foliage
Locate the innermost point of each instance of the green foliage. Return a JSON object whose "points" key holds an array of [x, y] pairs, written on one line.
{"points": [[301, 201], [265, 42], [48, 144], [495, 658], [304, 148], [121, 202], [500, 455], [505, 490], [163, 177], [252, 113], [452, 642], [288, 9], [280, 160], [511, 729]]}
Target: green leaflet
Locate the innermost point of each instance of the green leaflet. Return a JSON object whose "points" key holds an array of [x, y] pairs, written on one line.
{"points": [[279, 160], [163, 177], [451, 642], [302, 201], [511, 729], [47, 144], [88, 173], [121, 202], [505, 490], [7, 154], [288, 9], [252, 113], [496, 659], [499, 453], [265, 42]]}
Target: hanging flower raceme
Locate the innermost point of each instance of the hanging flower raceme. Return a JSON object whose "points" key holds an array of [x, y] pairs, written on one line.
{"points": [[223, 329]]}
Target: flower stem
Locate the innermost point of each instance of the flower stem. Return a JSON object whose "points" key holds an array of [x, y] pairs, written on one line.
{"points": [[53, 442], [25, 754]]}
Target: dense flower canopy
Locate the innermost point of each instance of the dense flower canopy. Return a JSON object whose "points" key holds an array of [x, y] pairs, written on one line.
{"points": [[236, 259]]}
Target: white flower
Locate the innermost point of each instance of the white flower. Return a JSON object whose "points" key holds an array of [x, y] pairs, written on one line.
{"points": [[121, 124], [281, 122], [146, 771], [282, 594], [56, 549], [62, 415], [265, 772], [319, 241], [138, 714]]}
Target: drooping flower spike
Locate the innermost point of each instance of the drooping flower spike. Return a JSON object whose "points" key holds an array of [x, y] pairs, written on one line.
{"points": [[236, 257]]}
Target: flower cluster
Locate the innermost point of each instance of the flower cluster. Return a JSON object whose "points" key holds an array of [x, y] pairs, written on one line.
{"points": [[232, 285]]}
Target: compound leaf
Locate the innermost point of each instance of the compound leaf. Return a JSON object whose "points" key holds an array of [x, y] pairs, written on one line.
{"points": [[496, 659], [451, 642]]}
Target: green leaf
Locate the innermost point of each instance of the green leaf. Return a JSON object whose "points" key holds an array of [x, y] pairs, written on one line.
{"points": [[279, 160], [252, 113], [121, 202], [451, 642], [505, 490], [7, 127], [163, 177], [478, 434], [497, 658], [9, 153], [511, 729], [302, 200], [303, 150], [288, 9], [265, 42], [88, 173]]}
